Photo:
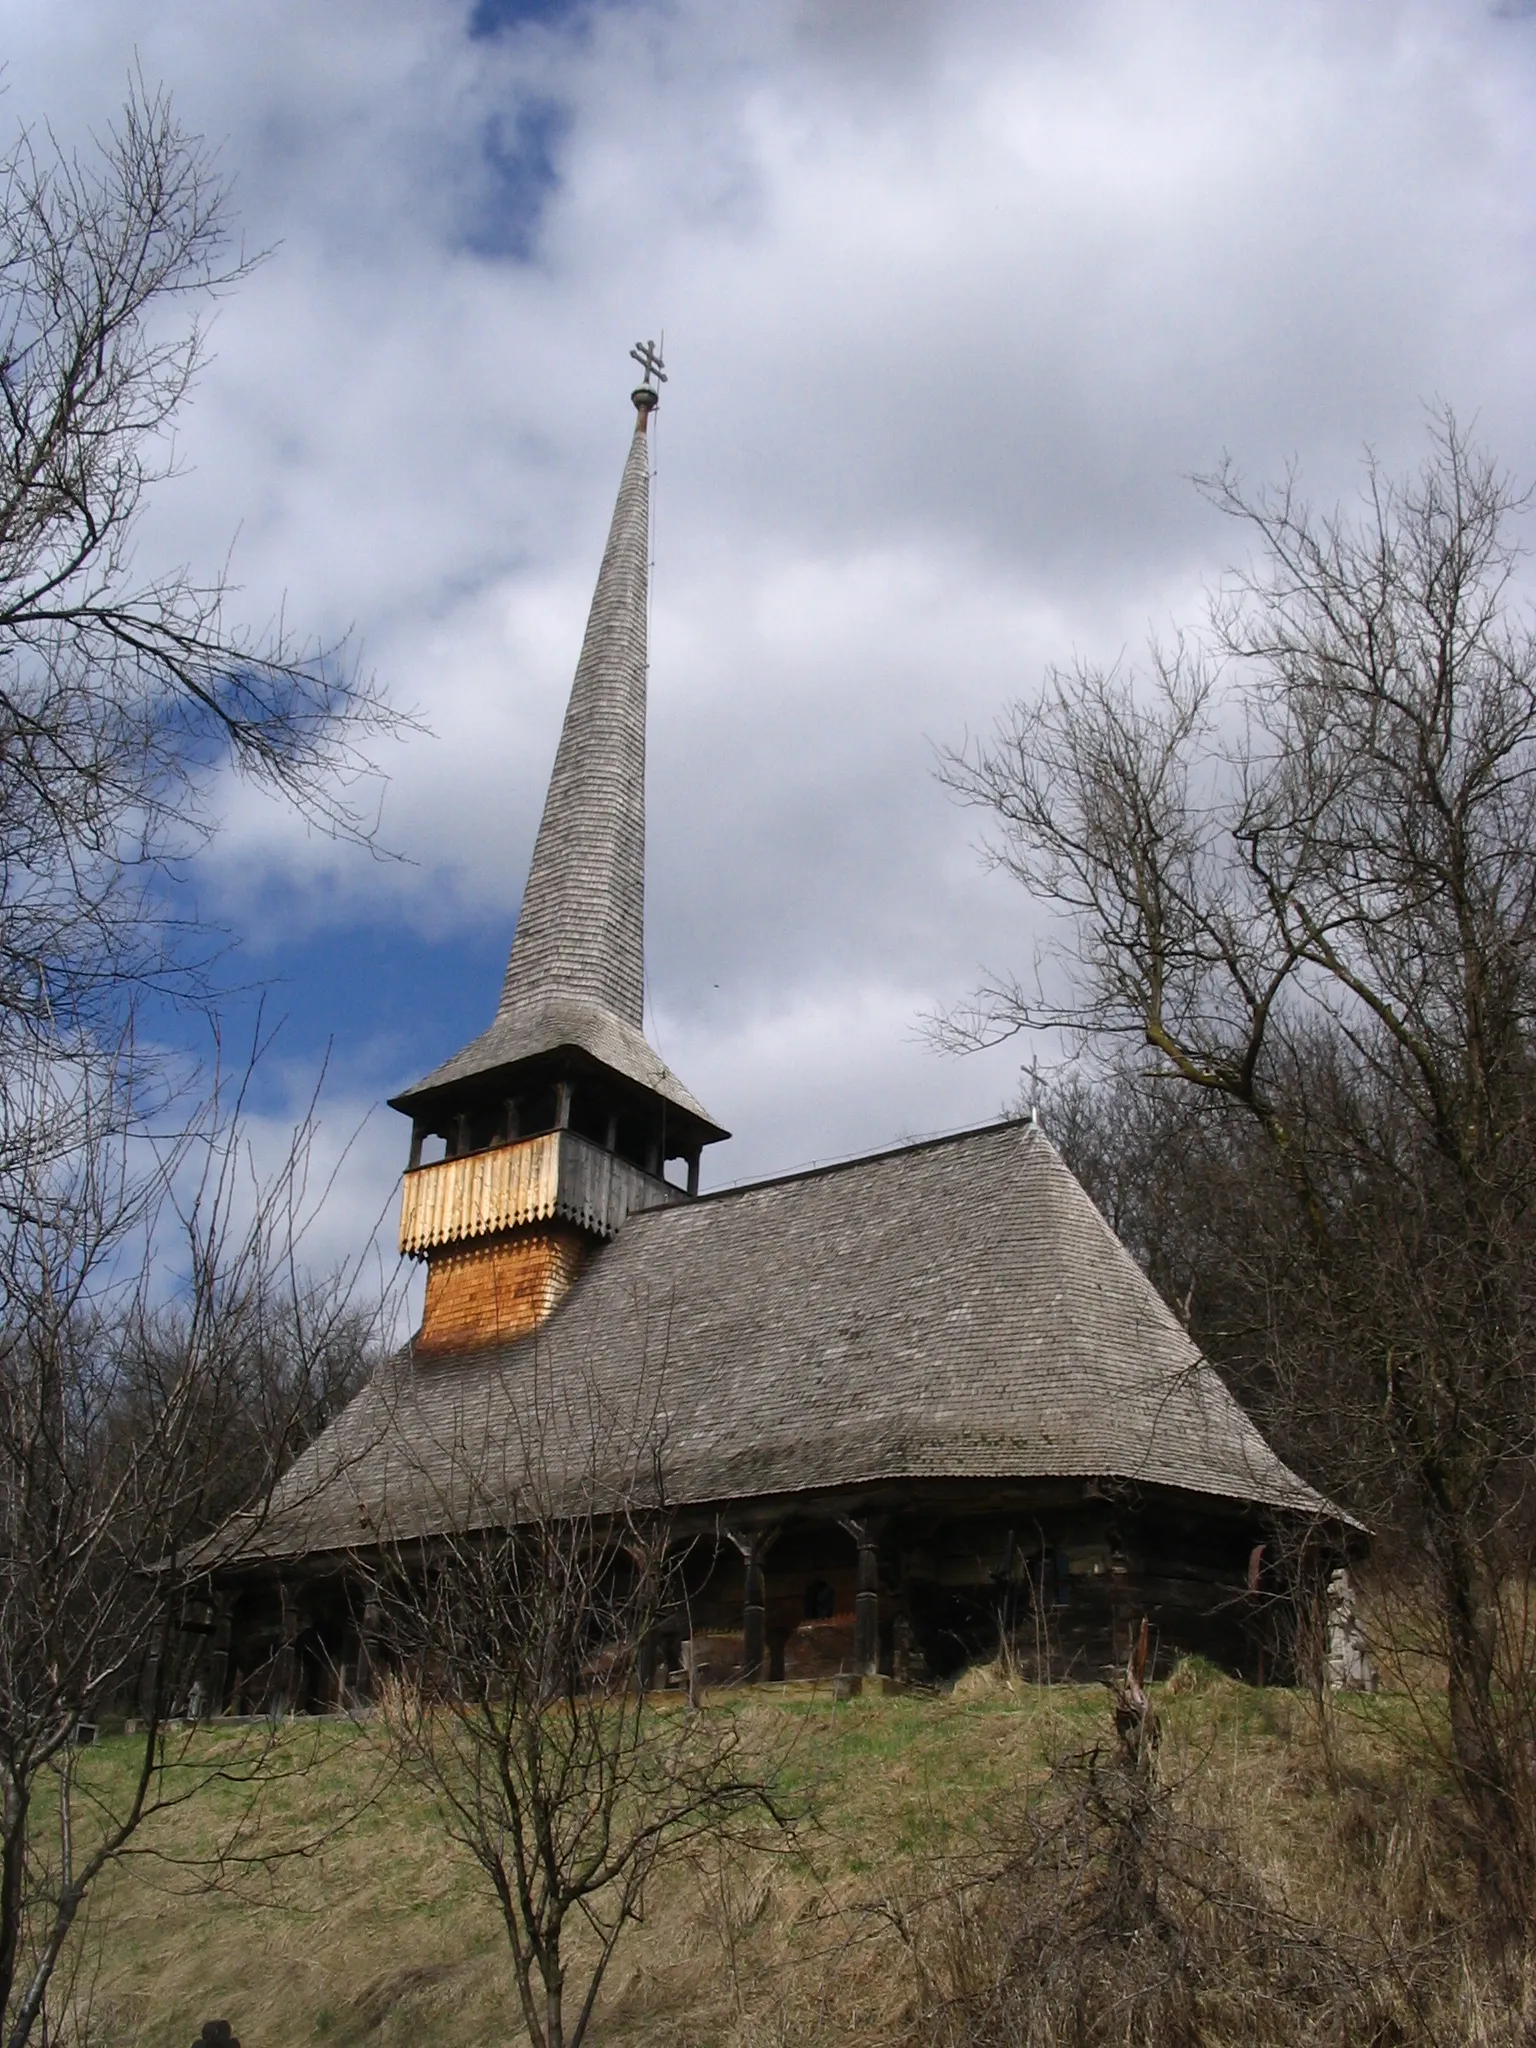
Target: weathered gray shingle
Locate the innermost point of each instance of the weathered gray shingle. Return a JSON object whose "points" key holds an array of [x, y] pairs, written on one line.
{"points": [[576, 974], [581, 928], [952, 1311], [539, 1027]]}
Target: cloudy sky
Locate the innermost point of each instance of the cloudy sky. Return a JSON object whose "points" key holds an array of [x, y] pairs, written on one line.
{"points": [[956, 297]]}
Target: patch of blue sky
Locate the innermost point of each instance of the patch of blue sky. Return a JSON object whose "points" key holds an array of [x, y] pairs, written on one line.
{"points": [[495, 17], [519, 172], [371, 1004], [376, 1006]]}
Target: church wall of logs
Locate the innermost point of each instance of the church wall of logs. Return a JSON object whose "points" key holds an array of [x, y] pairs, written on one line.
{"points": [[864, 1589]]}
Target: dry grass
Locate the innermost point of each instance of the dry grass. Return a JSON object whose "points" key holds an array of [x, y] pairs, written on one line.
{"points": [[892, 1917]]}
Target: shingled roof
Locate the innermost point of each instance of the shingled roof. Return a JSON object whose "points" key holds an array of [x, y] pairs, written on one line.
{"points": [[576, 973], [955, 1310]]}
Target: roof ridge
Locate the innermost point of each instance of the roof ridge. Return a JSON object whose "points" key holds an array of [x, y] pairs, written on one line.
{"points": [[819, 1169]]}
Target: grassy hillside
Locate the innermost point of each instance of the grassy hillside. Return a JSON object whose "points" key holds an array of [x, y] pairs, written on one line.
{"points": [[873, 1925]]}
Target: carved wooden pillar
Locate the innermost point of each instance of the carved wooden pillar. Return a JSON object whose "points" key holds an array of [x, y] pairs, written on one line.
{"points": [[647, 1552], [754, 1545], [218, 1662], [285, 1665], [901, 1650], [866, 1599], [149, 1676], [649, 1661], [692, 1673], [368, 1648]]}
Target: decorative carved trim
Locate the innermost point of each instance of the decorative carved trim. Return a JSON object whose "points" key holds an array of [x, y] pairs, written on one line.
{"points": [[534, 1180]]}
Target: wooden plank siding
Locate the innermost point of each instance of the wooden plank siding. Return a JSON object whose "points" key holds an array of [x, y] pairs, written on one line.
{"points": [[531, 1181]]}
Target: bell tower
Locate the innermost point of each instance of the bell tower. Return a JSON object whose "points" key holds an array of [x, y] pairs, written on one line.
{"points": [[558, 1122]]}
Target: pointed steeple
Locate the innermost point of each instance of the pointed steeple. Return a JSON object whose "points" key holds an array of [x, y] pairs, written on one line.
{"points": [[570, 1024], [581, 928]]}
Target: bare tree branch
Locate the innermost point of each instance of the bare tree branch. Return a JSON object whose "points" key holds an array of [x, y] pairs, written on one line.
{"points": [[1293, 864]]}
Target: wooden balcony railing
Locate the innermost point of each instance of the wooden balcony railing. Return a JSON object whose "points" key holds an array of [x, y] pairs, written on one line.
{"points": [[558, 1174]]}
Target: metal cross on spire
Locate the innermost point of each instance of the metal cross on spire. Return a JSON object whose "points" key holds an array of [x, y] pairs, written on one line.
{"points": [[648, 356]]}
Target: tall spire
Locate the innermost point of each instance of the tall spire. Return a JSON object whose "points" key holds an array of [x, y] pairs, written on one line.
{"points": [[581, 929], [575, 981]]}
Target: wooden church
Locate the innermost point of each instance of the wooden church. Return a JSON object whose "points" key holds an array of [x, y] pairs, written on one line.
{"points": [[902, 1405]]}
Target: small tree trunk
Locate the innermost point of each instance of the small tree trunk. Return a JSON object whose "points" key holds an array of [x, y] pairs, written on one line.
{"points": [[554, 2000], [13, 1866], [1477, 1756]]}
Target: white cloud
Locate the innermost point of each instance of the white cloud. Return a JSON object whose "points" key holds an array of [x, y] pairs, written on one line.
{"points": [[955, 295]]}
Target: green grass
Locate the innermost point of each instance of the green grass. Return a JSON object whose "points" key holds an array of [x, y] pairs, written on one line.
{"points": [[381, 1933]]}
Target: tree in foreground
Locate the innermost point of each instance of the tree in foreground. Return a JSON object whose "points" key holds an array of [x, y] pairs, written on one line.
{"points": [[1295, 860], [131, 1424], [123, 693], [141, 1385], [524, 1630]]}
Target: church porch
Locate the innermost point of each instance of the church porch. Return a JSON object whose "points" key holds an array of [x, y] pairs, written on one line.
{"points": [[1057, 1579]]}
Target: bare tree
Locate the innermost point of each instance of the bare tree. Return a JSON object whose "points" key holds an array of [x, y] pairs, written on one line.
{"points": [[524, 1626], [121, 693], [1116, 1903], [125, 1428], [1295, 862], [162, 1350]]}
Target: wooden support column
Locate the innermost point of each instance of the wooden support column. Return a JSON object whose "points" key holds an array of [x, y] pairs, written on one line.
{"points": [[649, 1661], [691, 1673], [754, 1545], [285, 1665], [866, 1599], [218, 1662], [149, 1676], [693, 1171], [368, 1648], [648, 1554]]}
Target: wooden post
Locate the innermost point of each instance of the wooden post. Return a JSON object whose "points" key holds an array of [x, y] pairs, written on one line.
{"points": [[218, 1663], [562, 1105], [368, 1649], [901, 1650], [418, 1138], [754, 1618], [754, 1545], [647, 1662], [149, 1679], [866, 1598], [285, 1665], [693, 1171]]}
